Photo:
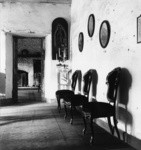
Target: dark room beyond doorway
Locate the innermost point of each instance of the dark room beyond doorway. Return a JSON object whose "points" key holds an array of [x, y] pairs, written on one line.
{"points": [[29, 68]]}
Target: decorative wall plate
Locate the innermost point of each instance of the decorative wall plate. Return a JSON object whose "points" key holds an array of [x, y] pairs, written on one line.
{"points": [[91, 25], [80, 41], [104, 33]]}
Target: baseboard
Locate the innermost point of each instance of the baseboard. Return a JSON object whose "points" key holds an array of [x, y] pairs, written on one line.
{"points": [[131, 140]]}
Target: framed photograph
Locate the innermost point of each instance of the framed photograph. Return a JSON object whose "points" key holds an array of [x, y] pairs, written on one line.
{"points": [[91, 25], [139, 29], [81, 41], [104, 33]]}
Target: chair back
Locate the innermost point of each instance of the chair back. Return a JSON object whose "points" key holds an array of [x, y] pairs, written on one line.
{"points": [[87, 78], [113, 78], [77, 75]]}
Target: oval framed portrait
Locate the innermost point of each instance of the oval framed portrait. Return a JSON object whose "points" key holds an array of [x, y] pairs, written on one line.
{"points": [[91, 25], [80, 41], [104, 33]]}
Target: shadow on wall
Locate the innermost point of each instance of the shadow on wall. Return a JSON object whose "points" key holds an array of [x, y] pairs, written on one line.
{"points": [[124, 87], [2, 83], [93, 88], [94, 83]]}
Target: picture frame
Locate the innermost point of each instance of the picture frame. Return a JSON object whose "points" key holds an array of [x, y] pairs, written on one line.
{"points": [[80, 41], [104, 33], [139, 29], [91, 25]]}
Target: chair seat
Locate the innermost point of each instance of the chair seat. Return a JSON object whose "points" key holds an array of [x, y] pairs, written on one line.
{"points": [[78, 100], [65, 94], [99, 109], [61, 92]]}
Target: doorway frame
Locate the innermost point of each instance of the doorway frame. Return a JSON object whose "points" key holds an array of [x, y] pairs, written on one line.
{"points": [[15, 62]]}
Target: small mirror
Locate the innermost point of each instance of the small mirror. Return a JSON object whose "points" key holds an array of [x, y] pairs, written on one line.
{"points": [[91, 25], [81, 41], [104, 33]]}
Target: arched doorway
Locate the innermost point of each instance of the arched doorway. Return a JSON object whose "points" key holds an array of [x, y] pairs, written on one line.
{"points": [[22, 78]]}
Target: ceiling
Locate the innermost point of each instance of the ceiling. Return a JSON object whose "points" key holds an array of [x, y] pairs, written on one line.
{"points": [[39, 1]]}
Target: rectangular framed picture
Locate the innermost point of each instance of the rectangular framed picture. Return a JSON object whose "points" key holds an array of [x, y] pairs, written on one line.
{"points": [[139, 29]]}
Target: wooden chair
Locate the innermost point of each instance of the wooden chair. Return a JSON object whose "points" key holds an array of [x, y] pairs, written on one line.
{"points": [[67, 94], [78, 99], [93, 110]]}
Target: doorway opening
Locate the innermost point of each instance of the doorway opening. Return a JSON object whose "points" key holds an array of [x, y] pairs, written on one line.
{"points": [[22, 78], [37, 72], [28, 70]]}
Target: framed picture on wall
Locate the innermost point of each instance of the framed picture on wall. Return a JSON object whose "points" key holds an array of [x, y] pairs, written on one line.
{"points": [[80, 41], [91, 25], [139, 29], [104, 33]]}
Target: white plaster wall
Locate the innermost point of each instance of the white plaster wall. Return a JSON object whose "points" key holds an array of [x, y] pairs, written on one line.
{"points": [[2, 63], [122, 50], [6, 65], [50, 75], [9, 65], [31, 18]]}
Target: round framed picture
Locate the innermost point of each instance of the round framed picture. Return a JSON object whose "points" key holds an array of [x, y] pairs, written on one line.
{"points": [[91, 25], [81, 41], [104, 33]]}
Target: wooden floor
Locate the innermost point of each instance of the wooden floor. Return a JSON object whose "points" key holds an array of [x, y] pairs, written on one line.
{"points": [[36, 125]]}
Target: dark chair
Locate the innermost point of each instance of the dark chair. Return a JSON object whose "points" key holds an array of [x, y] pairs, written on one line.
{"points": [[101, 109], [67, 94], [77, 99]]}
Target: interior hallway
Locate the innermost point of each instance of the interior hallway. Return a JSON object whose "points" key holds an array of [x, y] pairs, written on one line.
{"points": [[36, 125]]}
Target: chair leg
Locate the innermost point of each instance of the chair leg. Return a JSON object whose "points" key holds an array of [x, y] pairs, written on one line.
{"points": [[110, 125], [71, 112], [115, 124], [58, 101], [66, 113], [85, 124], [92, 130]]}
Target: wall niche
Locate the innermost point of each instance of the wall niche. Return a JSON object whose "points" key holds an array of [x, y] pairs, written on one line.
{"points": [[60, 39]]}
